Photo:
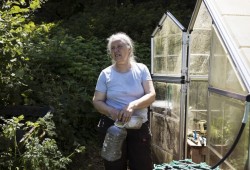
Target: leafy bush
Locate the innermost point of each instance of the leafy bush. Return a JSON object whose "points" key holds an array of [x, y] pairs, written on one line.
{"points": [[15, 26], [36, 149], [101, 20], [64, 70]]}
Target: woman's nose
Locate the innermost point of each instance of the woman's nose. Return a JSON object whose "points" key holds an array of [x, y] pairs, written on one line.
{"points": [[116, 49]]}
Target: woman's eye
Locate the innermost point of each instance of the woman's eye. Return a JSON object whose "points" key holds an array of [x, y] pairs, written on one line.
{"points": [[120, 46]]}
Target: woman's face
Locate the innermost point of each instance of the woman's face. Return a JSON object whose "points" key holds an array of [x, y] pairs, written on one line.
{"points": [[120, 52]]}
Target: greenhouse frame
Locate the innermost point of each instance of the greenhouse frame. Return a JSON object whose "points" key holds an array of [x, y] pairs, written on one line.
{"points": [[202, 80]]}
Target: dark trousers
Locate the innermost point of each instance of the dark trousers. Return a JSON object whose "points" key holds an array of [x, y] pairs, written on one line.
{"points": [[136, 151]]}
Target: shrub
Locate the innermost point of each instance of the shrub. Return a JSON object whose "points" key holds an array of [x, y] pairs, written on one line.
{"points": [[36, 149]]}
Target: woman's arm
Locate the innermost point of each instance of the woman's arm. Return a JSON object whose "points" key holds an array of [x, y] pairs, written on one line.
{"points": [[140, 103], [147, 99], [99, 103]]}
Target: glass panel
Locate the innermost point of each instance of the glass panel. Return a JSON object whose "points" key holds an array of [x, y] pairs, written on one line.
{"points": [[167, 99], [223, 74], [165, 121], [167, 49], [200, 40], [203, 19], [199, 64], [225, 120], [200, 49], [197, 110]]}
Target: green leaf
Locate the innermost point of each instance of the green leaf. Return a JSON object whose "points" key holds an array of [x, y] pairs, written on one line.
{"points": [[20, 73], [17, 9], [35, 4]]}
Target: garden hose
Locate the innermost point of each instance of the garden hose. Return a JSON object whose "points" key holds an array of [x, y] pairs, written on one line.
{"points": [[244, 121]]}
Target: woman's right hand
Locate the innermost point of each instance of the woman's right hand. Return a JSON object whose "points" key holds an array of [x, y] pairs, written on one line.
{"points": [[113, 114]]}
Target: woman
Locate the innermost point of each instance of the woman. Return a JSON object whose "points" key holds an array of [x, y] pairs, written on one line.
{"points": [[125, 89]]}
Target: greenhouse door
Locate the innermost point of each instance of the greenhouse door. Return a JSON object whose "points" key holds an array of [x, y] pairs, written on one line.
{"points": [[169, 73]]}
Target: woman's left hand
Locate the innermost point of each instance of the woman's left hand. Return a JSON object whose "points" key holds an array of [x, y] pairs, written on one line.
{"points": [[126, 113]]}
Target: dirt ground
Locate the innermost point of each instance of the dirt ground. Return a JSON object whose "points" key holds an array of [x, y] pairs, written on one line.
{"points": [[89, 160]]}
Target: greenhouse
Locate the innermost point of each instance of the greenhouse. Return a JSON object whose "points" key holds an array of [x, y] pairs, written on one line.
{"points": [[202, 80]]}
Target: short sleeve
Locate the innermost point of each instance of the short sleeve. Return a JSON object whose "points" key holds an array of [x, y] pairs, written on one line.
{"points": [[101, 85], [146, 74]]}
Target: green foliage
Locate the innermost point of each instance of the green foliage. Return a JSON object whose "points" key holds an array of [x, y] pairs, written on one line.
{"points": [[36, 150], [15, 27], [137, 21], [57, 64], [64, 70], [142, 53]]}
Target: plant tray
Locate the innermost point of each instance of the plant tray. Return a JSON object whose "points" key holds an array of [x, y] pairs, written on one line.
{"points": [[184, 165]]}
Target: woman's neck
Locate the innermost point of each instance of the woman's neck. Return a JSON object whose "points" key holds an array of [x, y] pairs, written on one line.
{"points": [[122, 67]]}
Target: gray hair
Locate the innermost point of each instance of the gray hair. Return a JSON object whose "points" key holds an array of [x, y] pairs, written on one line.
{"points": [[124, 38]]}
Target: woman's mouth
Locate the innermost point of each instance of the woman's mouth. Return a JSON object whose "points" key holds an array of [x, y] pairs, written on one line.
{"points": [[117, 55]]}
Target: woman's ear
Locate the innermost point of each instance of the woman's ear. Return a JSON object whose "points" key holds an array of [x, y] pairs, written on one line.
{"points": [[129, 49]]}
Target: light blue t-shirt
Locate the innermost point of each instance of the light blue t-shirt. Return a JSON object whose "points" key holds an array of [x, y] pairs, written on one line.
{"points": [[123, 88]]}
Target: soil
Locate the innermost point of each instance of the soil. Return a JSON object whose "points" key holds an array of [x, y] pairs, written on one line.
{"points": [[89, 160]]}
